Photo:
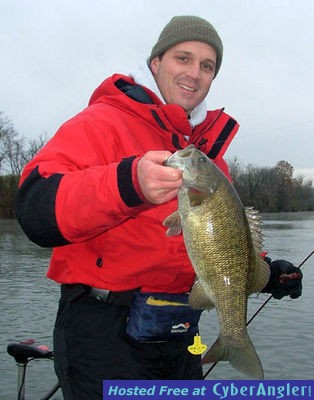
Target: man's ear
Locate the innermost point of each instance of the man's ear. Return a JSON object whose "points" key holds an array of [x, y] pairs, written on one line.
{"points": [[154, 65]]}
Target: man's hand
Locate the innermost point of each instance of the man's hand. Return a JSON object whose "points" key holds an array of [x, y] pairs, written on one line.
{"points": [[158, 182]]}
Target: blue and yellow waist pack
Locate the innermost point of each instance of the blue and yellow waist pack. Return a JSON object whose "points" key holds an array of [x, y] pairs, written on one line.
{"points": [[159, 317]]}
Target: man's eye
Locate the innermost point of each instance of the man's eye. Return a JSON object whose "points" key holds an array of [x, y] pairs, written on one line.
{"points": [[183, 59], [208, 67]]}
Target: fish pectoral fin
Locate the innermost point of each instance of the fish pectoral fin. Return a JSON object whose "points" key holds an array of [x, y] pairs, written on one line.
{"points": [[173, 223], [198, 298], [243, 359]]}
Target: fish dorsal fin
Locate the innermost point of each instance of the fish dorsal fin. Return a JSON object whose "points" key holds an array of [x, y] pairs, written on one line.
{"points": [[173, 223], [261, 271]]}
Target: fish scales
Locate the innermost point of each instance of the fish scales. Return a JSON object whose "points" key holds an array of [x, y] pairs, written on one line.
{"points": [[219, 241], [225, 264]]}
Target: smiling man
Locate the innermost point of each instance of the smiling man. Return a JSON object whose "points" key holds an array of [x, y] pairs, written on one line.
{"points": [[184, 73], [98, 193], [187, 56]]}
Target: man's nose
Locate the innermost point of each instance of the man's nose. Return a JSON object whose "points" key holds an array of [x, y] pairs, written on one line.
{"points": [[194, 71]]}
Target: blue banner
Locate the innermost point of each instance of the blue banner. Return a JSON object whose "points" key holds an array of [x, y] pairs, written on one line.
{"points": [[208, 390]]}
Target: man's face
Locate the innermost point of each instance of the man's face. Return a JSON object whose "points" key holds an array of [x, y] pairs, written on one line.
{"points": [[184, 73]]}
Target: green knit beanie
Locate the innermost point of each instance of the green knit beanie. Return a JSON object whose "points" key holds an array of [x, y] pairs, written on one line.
{"points": [[187, 28]]}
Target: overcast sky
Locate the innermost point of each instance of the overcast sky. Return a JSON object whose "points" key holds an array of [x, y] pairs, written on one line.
{"points": [[54, 53]]}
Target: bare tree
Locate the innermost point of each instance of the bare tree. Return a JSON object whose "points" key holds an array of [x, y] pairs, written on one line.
{"points": [[34, 145], [7, 132], [15, 150]]}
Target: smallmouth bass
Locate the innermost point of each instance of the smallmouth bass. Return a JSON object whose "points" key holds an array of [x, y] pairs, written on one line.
{"points": [[224, 241]]}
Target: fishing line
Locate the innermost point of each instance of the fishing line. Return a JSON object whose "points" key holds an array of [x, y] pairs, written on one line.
{"points": [[260, 308], [279, 128], [274, 129]]}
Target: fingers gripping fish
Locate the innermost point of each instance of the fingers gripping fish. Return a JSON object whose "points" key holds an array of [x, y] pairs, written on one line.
{"points": [[224, 242]]}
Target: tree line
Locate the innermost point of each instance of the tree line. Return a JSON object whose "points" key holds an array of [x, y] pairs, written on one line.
{"points": [[268, 189], [272, 189]]}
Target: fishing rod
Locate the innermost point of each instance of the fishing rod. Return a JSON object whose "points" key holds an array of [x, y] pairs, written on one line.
{"points": [[260, 308]]}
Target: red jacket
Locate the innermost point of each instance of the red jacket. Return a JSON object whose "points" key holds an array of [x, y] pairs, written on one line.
{"points": [[80, 193]]}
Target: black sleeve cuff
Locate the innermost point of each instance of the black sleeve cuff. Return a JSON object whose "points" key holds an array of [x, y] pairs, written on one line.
{"points": [[126, 187], [35, 209]]}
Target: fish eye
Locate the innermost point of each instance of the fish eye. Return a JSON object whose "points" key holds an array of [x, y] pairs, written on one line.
{"points": [[202, 159]]}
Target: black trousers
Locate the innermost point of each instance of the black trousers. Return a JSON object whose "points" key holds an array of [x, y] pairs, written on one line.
{"points": [[90, 345]]}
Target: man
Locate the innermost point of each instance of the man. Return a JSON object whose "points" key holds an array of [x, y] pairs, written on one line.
{"points": [[98, 193]]}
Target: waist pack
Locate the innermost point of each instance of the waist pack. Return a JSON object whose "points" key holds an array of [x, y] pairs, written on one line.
{"points": [[159, 317]]}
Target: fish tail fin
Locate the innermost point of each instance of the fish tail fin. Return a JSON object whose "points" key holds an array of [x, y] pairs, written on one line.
{"points": [[243, 359]]}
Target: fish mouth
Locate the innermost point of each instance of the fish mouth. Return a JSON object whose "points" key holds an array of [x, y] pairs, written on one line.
{"points": [[196, 169], [192, 181], [179, 159]]}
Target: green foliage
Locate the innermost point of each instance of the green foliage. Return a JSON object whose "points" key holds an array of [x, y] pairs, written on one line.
{"points": [[272, 189]]}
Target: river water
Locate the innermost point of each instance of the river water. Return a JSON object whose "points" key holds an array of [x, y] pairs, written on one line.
{"points": [[282, 332]]}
